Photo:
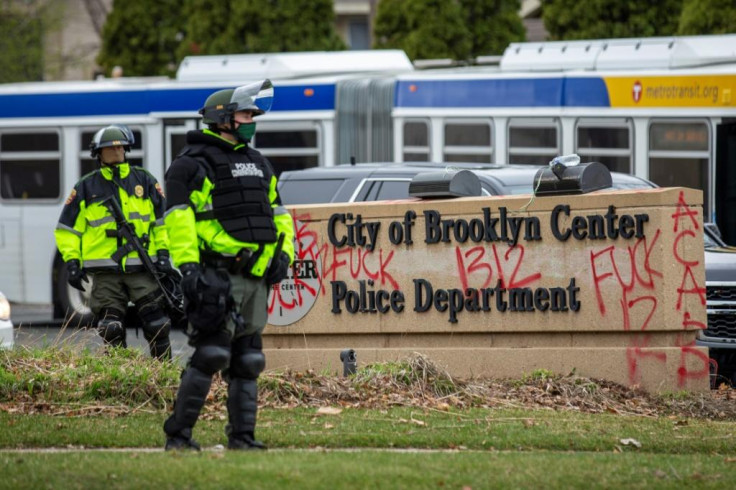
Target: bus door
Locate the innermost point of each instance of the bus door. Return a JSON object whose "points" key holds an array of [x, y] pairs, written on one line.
{"points": [[12, 283], [725, 185], [175, 131], [31, 194]]}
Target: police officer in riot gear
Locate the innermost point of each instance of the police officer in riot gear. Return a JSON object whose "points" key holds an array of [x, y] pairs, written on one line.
{"points": [[89, 242], [232, 239]]}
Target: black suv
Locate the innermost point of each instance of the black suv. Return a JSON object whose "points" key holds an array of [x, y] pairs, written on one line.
{"points": [[720, 285], [390, 181]]}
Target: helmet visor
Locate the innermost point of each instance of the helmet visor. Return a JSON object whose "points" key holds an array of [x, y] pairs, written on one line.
{"points": [[257, 97], [126, 131]]}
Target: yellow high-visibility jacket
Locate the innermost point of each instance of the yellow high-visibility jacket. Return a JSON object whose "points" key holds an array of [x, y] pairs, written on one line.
{"points": [[87, 231]]}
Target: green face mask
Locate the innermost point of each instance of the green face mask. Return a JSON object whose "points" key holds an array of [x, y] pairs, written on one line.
{"points": [[246, 131]]}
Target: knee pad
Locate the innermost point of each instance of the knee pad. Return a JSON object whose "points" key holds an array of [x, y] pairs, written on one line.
{"points": [[211, 358], [156, 333], [111, 328], [156, 327], [248, 365]]}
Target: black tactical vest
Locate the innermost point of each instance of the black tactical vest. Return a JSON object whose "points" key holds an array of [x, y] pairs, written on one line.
{"points": [[240, 200]]}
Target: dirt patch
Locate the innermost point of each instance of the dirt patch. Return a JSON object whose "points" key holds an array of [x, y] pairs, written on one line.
{"points": [[418, 382]]}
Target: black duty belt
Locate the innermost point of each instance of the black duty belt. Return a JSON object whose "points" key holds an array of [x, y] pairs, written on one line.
{"points": [[239, 264]]}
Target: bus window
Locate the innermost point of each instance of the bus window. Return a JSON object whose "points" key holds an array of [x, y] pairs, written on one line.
{"points": [[416, 141], [177, 142], [533, 141], [175, 139], [679, 153], [30, 165], [282, 163], [289, 148], [468, 141], [87, 164], [607, 142]]}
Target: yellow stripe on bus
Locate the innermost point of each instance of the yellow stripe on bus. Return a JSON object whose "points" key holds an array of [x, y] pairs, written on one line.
{"points": [[675, 91]]}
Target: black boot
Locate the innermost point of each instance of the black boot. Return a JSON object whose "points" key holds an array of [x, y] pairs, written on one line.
{"points": [[242, 406], [182, 441], [246, 442], [189, 402]]}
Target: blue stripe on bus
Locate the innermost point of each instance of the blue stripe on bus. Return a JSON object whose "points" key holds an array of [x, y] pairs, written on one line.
{"points": [[111, 103], [295, 98], [585, 92], [506, 92]]}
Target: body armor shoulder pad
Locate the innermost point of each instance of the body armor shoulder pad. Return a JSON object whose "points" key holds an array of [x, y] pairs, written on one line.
{"points": [[192, 151], [199, 152]]}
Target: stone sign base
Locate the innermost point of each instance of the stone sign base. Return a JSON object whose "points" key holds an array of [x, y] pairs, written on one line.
{"points": [[655, 368], [610, 285]]}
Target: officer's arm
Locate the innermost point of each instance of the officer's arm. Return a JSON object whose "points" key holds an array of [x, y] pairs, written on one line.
{"points": [[282, 218], [181, 181], [71, 226]]}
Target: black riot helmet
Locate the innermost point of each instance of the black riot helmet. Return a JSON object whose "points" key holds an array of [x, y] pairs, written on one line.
{"points": [[114, 135], [221, 106]]}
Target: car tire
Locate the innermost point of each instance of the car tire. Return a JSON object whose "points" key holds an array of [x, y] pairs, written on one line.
{"points": [[74, 304]]}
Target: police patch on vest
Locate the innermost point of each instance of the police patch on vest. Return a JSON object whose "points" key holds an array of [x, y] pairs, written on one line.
{"points": [[71, 197], [139, 190], [160, 191], [245, 170]]}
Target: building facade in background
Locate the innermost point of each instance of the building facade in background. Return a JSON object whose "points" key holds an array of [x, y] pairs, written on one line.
{"points": [[71, 49]]}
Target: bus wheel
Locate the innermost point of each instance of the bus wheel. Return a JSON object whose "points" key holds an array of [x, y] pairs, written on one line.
{"points": [[74, 303]]}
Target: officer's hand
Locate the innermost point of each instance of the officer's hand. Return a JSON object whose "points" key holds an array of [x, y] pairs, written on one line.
{"points": [[75, 274], [163, 264], [190, 272], [278, 269]]}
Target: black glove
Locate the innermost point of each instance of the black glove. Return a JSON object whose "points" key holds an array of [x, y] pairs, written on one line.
{"points": [[75, 274], [278, 269], [163, 264], [191, 272]]}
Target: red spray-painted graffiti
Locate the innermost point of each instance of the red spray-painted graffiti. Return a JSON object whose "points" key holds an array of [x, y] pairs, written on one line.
{"points": [[635, 277], [360, 264], [481, 269], [689, 286], [637, 280], [291, 299]]}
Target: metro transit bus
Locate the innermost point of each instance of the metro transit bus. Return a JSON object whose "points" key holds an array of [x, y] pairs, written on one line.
{"points": [[660, 108]]}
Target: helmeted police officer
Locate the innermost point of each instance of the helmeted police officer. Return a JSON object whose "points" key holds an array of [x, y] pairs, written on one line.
{"points": [[89, 241], [232, 239]]}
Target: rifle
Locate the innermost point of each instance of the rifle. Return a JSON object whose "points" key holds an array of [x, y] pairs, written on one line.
{"points": [[127, 232]]}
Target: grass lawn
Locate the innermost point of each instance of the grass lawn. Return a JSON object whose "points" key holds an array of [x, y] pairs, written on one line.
{"points": [[362, 448], [366, 469], [77, 420]]}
